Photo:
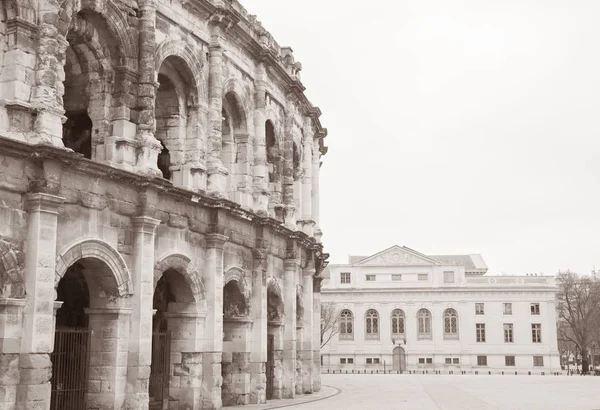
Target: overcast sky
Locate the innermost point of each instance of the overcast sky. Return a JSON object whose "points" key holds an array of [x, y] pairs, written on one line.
{"points": [[455, 126]]}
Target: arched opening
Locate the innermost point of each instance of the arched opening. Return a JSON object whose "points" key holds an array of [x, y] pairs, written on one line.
{"points": [[233, 142], [87, 289], [346, 325], [70, 358], [372, 325], [235, 365], [398, 328], [424, 324], [274, 368], [399, 359], [272, 152], [450, 324], [90, 57], [174, 331]]}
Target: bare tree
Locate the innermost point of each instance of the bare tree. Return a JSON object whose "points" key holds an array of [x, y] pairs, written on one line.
{"points": [[330, 322], [566, 347], [578, 305]]}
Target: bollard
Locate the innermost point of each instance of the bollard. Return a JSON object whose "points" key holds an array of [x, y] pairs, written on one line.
{"points": [[346, 371], [371, 371], [515, 373], [529, 373], [490, 373], [476, 371], [543, 373], [502, 372]]}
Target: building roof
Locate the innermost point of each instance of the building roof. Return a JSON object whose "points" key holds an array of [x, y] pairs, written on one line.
{"points": [[473, 263]]}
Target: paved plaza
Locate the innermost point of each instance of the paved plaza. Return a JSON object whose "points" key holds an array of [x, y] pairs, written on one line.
{"points": [[457, 392]]}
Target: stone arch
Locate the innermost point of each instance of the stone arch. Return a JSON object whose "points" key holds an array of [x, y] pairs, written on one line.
{"points": [[236, 295], [194, 66], [186, 268], [99, 250], [232, 86]]}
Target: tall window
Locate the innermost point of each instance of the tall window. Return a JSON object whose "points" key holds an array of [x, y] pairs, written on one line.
{"points": [[345, 277], [480, 332], [450, 324], [372, 324], [346, 325], [536, 333], [397, 323], [507, 309], [479, 309], [423, 324], [508, 333], [535, 308]]}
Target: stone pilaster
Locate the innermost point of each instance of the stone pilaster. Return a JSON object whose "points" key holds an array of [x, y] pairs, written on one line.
{"points": [[316, 167], [192, 175], [289, 210], [316, 369], [140, 335], [217, 173], [213, 329], [185, 384], [291, 267], [147, 147], [38, 315], [260, 183], [45, 95], [11, 313], [308, 342], [108, 357], [258, 357]]}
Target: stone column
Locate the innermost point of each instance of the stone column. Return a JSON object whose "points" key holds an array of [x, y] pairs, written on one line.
{"points": [[291, 267], [148, 146], [289, 212], [316, 165], [217, 173], [258, 356], [185, 384], [140, 335], [261, 180], [45, 96], [108, 357], [308, 342], [11, 314], [37, 337], [213, 329], [316, 369]]}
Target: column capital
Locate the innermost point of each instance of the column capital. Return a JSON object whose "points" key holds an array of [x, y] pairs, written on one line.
{"points": [[215, 240], [145, 224], [289, 264], [317, 284], [41, 202], [308, 272]]}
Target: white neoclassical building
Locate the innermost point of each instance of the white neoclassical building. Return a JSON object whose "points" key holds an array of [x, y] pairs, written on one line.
{"points": [[402, 310]]}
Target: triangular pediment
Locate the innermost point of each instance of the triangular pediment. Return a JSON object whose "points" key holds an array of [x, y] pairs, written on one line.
{"points": [[398, 256]]}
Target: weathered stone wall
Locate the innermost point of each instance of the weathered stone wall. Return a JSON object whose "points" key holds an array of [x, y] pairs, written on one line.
{"points": [[186, 184]]}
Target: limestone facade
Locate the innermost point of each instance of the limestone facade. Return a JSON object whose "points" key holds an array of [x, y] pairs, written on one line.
{"points": [[159, 199], [401, 310]]}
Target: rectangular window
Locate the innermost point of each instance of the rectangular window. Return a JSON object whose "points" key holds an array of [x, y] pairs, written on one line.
{"points": [[538, 361], [509, 360], [508, 333], [479, 309], [369, 360], [376, 360], [507, 309], [342, 360], [449, 277], [455, 360], [480, 332], [535, 308], [397, 277], [536, 333], [481, 360], [345, 277], [421, 360], [429, 360], [448, 360], [370, 278], [350, 360], [423, 276]]}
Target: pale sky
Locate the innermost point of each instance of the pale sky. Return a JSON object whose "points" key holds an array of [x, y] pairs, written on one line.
{"points": [[455, 126]]}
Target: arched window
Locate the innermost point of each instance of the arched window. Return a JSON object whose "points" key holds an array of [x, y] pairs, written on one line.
{"points": [[397, 323], [346, 325], [423, 324], [372, 324], [450, 324]]}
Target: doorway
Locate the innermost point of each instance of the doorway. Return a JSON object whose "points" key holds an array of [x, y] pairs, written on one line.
{"points": [[399, 359]]}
